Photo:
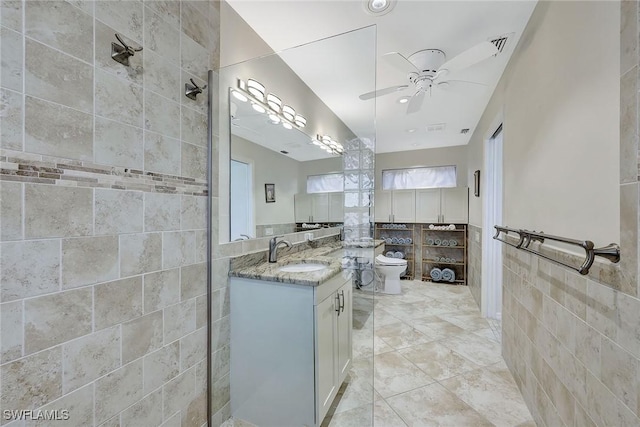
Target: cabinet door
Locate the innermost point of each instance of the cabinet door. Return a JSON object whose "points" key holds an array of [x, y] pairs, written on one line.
{"points": [[336, 207], [404, 206], [455, 205], [302, 207], [383, 206], [428, 205], [344, 331], [326, 362], [320, 207]]}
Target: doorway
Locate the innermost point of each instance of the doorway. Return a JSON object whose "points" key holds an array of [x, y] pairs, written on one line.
{"points": [[241, 200], [492, 208]]}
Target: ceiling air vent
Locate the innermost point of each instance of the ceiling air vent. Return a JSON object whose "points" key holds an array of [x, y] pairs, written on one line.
{"points": [[437, 127], [465, 130], [501, 42]]}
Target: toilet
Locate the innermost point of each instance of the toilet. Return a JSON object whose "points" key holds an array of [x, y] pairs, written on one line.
{"points": [[388, 271]]}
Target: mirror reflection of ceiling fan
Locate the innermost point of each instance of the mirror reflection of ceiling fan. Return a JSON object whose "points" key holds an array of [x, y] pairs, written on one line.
{"points": [[426, 69]]}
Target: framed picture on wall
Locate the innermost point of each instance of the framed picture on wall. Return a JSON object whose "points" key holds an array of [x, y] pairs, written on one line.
{"points": [[476, 183], [270, 193]]}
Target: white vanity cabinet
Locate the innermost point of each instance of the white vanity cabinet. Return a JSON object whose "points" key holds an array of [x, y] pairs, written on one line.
{"points": [[291, 349], [395, 206]]}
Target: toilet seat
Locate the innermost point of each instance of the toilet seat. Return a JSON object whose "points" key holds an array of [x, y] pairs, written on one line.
{"points": [[383, 260]]}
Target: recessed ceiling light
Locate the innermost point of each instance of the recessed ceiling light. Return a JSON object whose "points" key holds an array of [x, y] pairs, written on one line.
{"points": [[404, 99], [415, 144], [379, 7], [412, 130]]}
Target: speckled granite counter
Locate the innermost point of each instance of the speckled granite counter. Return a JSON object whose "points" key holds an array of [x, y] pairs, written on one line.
{"points": [[329, 254]]}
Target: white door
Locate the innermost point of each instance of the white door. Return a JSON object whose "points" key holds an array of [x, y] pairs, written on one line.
{"points": [[382, 204], [428, 205], [491, 291], [241, 200], [302, 207], [320, 207], [326, 363], [455, 205], [404, 206], [336, 207], [344, 331]]}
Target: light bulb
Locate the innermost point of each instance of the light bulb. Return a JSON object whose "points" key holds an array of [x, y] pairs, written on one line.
{"points": [[239, 96], [256, 89], [287, 125], [274, 119], [274, 102], [288, 112], [259, 108], [300, 121]]}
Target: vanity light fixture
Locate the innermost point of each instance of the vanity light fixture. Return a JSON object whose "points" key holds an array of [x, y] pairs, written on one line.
{"points": [[274, 102], [300, 121], [239, 96], [289, 112], [328, 144], [256, 89], [274, 119], [259, 108], [287, 125]]}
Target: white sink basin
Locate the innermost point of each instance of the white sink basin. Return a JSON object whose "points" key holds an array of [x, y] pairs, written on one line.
{"points": [[302, 268]]}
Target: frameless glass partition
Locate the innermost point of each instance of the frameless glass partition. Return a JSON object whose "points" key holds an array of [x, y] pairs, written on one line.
{"points": [[301, 327]]}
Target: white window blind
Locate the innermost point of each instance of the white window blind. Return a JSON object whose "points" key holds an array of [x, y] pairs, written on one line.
{"points": [[328, 183], [404, 179]]}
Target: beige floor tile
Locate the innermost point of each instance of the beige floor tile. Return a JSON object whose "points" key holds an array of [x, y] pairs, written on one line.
{"points": [[493, 393], [356, 391], [479, 350], [394, 374], [441, 328], [434, 405], [401, 335], [381, 413], [438, 361]]}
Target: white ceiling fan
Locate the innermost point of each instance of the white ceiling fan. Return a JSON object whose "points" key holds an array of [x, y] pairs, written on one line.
{"points": [[425, 69]]}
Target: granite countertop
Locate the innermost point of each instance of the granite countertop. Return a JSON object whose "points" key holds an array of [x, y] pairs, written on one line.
{"points": [[329, 255]]}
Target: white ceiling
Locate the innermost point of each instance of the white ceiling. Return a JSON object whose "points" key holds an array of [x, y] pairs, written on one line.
{"points": [[451, 26]]}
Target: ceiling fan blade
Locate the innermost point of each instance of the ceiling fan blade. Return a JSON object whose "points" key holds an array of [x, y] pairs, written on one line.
{"points": [[416, 102], [469, 57], [399, 62], [385, 91], [462, 81]]}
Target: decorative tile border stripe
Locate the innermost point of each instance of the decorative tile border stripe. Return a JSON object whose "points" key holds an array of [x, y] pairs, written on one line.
{"points": [[64, 172]]}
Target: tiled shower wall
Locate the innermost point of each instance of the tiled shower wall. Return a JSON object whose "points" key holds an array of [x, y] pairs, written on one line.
{"points": [[573, 342], [474, 269], [102, 192]]}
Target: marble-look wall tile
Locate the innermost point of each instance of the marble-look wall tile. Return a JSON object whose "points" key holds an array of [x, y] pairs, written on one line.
{"points": [[194, 126], [11, 61], [162, 77], [118, 144], [161, 153], [178, 248], [118, 99], [169, 10], [201, 311], [193, 348], [57, 77], [56, 130], [629, 125], [59, 24], [628, 322], [195, 22], [194, 161], [221, 393], [105, 35], [161, 212], [11, 328], [160, 37], [182, 391], [146, 410], [194, 57], [11, 211], [193, 281], [54, 319], [32, 381], [100, 254], [118, 390], [141, 336], [179, 320], [201, 245], [194, 212], [629, 39], [79, 404], [90, 357], [118, 212], [11, 119], [29, 268], [619, 372], [161, 115], [220, 333], [118, 302], [161, 289], [161, 366], [58, 211], [140, 253], [11, 14], [123, 15]]}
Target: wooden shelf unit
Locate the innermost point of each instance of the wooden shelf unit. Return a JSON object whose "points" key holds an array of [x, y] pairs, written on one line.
{"points": [[458, 252], [407, 232]]}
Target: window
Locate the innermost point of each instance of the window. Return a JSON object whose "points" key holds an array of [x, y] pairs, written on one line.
{"points": [[404, 179], [329, 183]]}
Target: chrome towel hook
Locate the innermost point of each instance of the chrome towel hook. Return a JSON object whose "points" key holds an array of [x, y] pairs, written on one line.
{"points": [[122, 53], [192, 90]]}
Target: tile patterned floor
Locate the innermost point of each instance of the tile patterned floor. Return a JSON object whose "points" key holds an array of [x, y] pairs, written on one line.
{"points": [[437, 363]]}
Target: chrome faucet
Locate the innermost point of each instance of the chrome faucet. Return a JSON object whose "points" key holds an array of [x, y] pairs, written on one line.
{"points": [[274, 244]]}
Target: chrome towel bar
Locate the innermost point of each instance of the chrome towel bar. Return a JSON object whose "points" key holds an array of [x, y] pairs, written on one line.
{"points": [[525, 238]]}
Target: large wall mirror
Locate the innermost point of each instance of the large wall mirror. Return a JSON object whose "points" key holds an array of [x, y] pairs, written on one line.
{"points": [[287, 123]]}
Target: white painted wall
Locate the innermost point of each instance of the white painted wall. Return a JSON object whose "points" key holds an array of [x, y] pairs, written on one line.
{"points": [[560, 100], [269, 167]]}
